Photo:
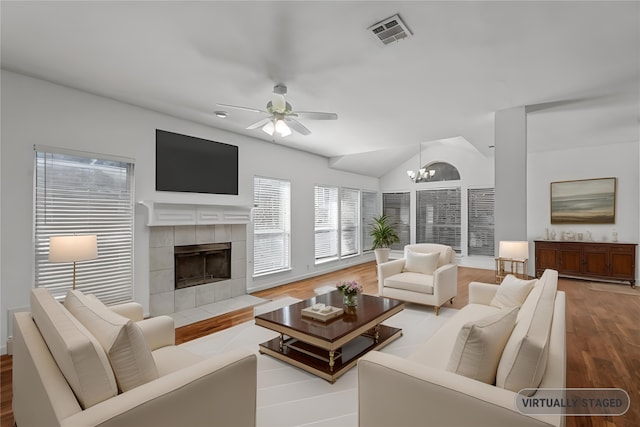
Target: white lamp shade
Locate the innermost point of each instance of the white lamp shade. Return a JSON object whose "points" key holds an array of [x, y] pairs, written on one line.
{"points": [[282, 128], [73, 248], [514, 250], [269, 128]]}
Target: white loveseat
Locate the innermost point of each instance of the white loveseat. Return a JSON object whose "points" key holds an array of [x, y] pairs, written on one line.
{"points": [[127, 372], [427, 274], [420, 390]]}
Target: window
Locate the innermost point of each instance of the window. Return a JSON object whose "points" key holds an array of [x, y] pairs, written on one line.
{"points": [[396, 206], [271, 225], [369, 211], [326, 223], [481, 221], [81, 193], [440, 171], [337, 222], [349, 222], [438, 217]]}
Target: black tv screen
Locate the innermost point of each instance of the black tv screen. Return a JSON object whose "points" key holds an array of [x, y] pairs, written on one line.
{"points": [[194, 165]]}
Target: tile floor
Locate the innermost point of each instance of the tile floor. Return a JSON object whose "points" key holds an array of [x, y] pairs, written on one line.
{"points": [[192, 315]]}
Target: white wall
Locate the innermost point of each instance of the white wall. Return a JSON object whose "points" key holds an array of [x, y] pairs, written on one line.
{"points": [[38, 112], [614, 160], [476, 171]]}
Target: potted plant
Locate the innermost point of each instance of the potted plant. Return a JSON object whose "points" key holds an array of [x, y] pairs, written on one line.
{"points": [[384, 235]]}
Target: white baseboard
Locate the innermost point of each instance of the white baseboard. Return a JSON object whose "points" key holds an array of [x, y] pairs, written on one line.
{"points": [[328, 268], [5, 348]]}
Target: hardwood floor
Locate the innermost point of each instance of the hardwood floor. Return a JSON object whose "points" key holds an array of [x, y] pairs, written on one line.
{"points": [[603, 335]]}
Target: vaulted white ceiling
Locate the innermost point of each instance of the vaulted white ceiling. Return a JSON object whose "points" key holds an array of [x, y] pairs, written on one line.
{"points": [[575, 65]]}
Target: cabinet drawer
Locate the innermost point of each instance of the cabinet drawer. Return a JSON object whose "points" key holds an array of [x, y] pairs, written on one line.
{"points": [[622, 249]]}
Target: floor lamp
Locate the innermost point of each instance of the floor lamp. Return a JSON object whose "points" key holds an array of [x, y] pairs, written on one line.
{"points": [[73, 249]]}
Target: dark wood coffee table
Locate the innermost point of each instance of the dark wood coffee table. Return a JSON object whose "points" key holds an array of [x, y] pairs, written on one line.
{"points": [[329, 349]]}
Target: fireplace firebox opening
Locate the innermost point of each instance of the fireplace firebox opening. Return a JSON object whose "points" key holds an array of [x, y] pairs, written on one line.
{"points": [[200, 264]]}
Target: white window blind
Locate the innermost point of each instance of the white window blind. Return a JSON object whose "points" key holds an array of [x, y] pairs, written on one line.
{"points": [[438, 218], [349, 221], [326, 223], [396, 206], [80, 193], [481, 221], [369, 211], [271, 225]]}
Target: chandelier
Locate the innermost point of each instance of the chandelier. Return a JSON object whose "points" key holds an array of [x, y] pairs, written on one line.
{"points": [[422, 173]]}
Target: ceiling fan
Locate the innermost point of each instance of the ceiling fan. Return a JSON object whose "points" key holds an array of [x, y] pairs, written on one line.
{"points": [[282, 118]]}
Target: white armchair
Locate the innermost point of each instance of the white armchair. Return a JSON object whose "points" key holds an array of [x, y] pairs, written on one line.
{"points": [[426, 275], [62, 375]]}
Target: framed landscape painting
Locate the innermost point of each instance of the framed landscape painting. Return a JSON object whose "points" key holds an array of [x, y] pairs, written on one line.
{"points": [[586, 201]]}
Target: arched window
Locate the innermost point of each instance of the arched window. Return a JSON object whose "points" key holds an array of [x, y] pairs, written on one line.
{"points": [[440, 171]]}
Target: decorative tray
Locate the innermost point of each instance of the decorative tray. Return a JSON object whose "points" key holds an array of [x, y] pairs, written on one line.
{"points": [[322, 312]]}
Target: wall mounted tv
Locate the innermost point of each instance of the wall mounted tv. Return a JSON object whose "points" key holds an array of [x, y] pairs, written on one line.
{"points": [[194, 165]]}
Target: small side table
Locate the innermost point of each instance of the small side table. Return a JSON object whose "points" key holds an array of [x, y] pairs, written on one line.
{"points": [[517, 267]]}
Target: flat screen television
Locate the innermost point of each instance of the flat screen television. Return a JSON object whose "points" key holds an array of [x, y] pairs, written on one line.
{"points": [[194, 165]]}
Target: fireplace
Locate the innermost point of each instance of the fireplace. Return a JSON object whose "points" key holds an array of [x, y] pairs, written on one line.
{"points": [[199, 264]]}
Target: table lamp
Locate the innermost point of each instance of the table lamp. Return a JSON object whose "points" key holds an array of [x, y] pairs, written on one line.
{"points": [[514, 250], [73, 249]]}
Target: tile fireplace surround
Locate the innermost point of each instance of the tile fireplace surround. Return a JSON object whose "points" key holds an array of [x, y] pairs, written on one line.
{"points": [[195, 224]]}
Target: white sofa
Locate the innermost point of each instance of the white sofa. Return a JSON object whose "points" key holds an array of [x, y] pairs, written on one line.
{"points": [[421, 390], [125, 372], [411, 279]]}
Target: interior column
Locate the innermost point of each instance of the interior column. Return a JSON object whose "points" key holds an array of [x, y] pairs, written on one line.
{"points": [[510, 175]]}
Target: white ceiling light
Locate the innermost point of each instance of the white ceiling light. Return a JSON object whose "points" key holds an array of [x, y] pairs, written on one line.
{"points": [[282, 128], [278, 126]]}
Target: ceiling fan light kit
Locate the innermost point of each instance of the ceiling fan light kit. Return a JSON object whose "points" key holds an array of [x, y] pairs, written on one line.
{"points": [[278, 126], [282, 128], [282, 117]]}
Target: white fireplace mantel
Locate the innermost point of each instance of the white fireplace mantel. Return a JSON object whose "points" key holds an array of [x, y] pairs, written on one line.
{"points": [[168, 214]]}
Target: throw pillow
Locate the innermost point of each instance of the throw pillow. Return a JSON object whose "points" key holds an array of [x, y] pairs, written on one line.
{"points": [[478, 348], [417, 262], [512, 292], [78, 354], [122, 340], [524, 359]]}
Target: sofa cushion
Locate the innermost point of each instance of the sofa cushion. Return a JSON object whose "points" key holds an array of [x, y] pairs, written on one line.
{"points": [[77, 353], [524, 358], [436, 351], [479, 345], [416, 262], [416, 282], [172, 358], [512, 292], [122, 339]]}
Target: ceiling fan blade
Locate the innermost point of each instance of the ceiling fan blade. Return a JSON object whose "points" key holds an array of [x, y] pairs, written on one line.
{"points": [[259, 123], [253, 110], [316, 115], [297, 126]]}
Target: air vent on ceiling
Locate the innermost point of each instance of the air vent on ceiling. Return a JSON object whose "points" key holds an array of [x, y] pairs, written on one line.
{"points": [[390, 30]]}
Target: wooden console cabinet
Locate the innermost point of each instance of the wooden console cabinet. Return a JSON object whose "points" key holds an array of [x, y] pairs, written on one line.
{"points": [[593, 260]]}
